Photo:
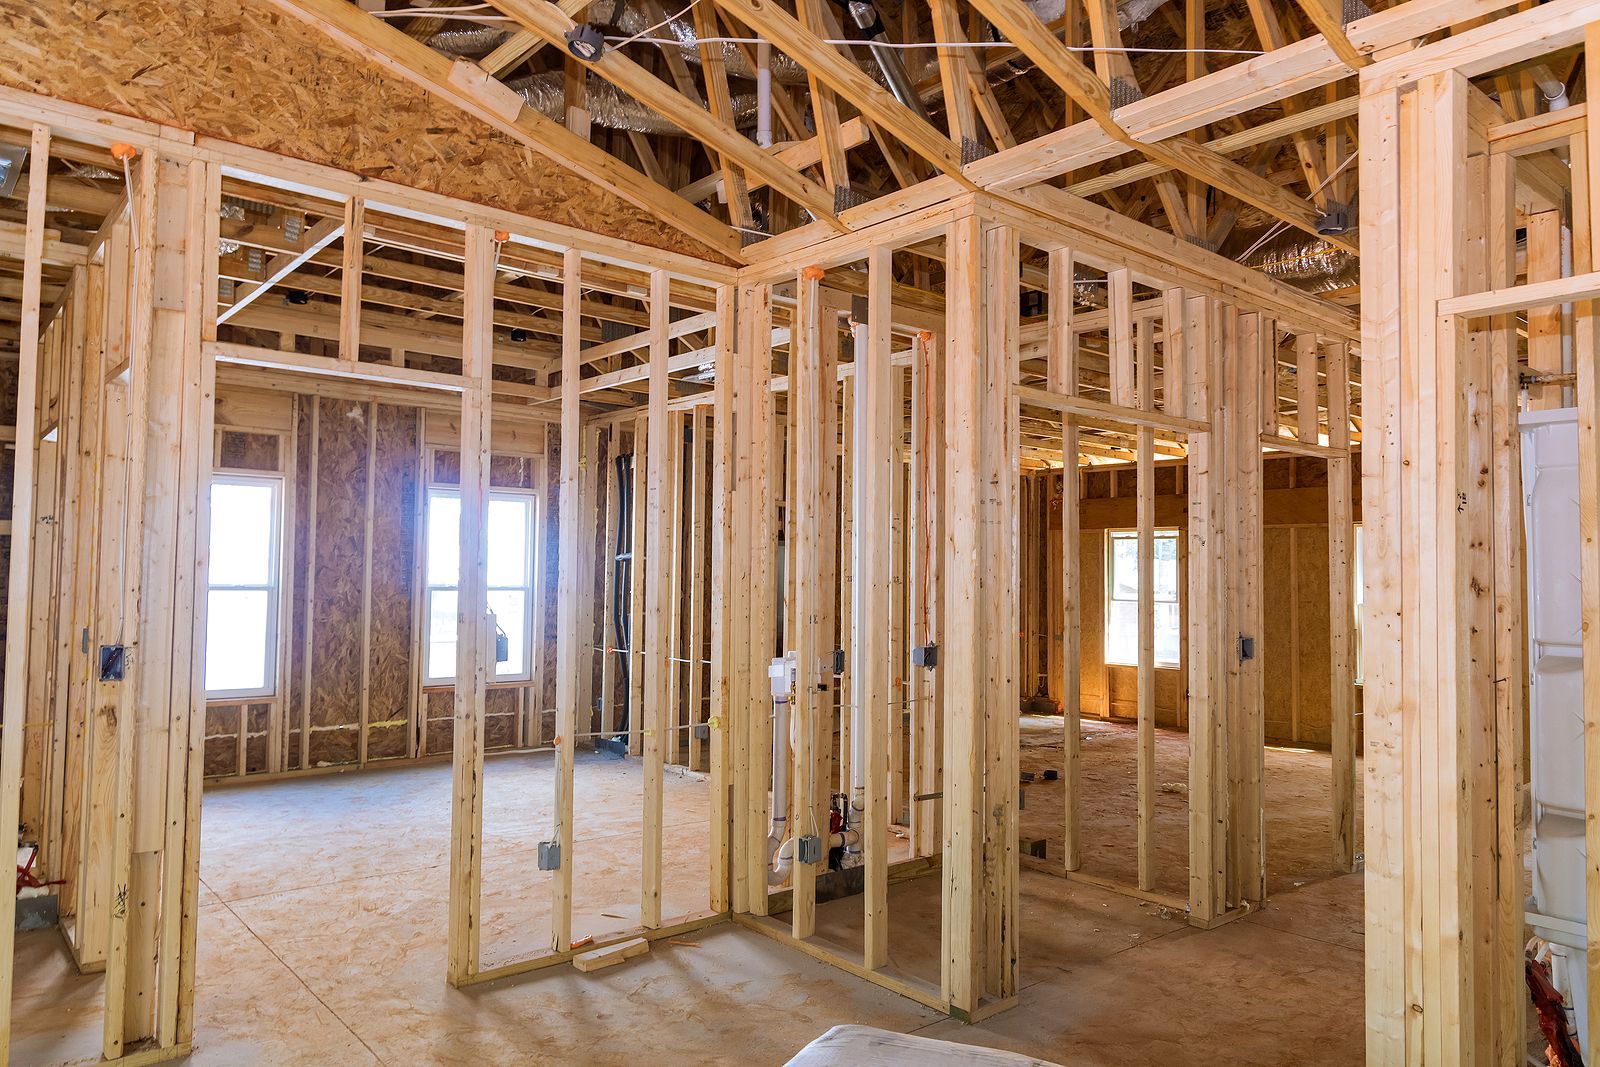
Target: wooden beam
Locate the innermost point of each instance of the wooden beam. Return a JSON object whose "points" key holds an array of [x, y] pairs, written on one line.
{"points": [[875, 454], [657, 659], [468, 87], [473, 647], [284, 264], [20, 574], [850, 82], [1021, 25], [548, 21], [572, 653], [799, 155]]}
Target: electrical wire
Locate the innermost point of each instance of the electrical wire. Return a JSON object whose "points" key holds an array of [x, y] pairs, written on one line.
{"points": [[1277, 228], [956, 44], [651, 29]]}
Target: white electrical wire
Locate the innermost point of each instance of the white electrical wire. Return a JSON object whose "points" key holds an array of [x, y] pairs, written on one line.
{"points": [[651, 29], [425, 11], [959, 44], [1279, 227]]}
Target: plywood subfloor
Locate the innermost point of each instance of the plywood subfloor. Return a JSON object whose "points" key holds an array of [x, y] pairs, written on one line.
{"points": [[323, 922], [1299, 805]]}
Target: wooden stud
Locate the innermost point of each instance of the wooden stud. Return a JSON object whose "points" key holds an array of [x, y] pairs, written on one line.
{"points": [[571, 655], [876, 461], [1063, 378], [21, 570], [473, 646], [657, 578]]}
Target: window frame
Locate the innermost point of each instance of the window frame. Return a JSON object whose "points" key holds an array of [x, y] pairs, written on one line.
{"points": [[530, 498], [274, 587], [1112, 535]]}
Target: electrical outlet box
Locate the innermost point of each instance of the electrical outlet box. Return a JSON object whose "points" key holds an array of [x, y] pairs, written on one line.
{"points": [[1247, 648], [113, 663], [549, 855], [702, 731], [809, 849], [925, 656]]}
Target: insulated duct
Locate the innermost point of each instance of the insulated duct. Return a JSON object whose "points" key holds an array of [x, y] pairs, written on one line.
{"points": [[1312, 265], [609, 106], [472, 41]]}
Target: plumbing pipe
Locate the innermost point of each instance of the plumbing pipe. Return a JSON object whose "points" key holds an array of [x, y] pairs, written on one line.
{"points": [[858, 727], [764, 95], [780, 850], [1553, 88]]}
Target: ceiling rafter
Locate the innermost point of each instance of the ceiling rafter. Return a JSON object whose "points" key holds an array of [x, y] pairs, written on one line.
{"points": [[550, 23], [850, 82], [468, 87], [1022, 26]]}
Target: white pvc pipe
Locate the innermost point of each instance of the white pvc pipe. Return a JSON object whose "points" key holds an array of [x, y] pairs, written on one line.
{"points": [[780, 851], [764, 95], [858, 725]]}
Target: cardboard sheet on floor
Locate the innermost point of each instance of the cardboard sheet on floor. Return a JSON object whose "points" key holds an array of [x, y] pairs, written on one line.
{"points": [[867, 1046]]}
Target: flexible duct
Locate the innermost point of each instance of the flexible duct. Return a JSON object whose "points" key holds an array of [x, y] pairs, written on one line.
{"points": [[865, 16], [1312, 265], [607, 105], [473, 41]]}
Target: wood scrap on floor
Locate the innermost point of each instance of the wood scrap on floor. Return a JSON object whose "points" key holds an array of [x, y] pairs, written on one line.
{"points": [[610, 955]]}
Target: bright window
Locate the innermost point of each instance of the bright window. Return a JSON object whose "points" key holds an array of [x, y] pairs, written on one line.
{"points": [[1122, 599], [242, 599], [511, 525]]}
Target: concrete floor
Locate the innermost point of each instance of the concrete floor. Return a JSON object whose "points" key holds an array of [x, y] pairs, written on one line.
{"points": [[322, 931]]}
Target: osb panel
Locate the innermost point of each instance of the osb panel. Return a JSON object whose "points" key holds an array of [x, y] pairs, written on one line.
{"points": [[447, 468], [394, 538], [1275, 644], [240, 450], [243, 72], [510, 472], [440, 736], [222, 739], [1314, 648], [333, 745], [549, 562], [338, 553], [255, 756], [1277, 472], [222, 757], [500, 710], [305, 406], [1125, 693], [1091, 643]]}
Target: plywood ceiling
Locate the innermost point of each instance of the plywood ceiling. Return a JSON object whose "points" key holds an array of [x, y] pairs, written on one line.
{"points": [[237, 70]]}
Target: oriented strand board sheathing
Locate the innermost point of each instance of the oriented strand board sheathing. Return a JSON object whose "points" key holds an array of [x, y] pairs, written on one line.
{"points": [[1276, 643], [255, 748], [298, 616], [500, 710], [239, 450], [222, 739], [394, 541], [240, 71], [439, 707], [1314, 649], [337, 554]]}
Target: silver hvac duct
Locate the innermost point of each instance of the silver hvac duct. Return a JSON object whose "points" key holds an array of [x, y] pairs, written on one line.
{"points": [[472, 41], [865, 16], [607, 105], [1308, 264]]}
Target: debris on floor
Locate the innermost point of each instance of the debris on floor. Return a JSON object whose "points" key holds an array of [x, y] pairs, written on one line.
{"points": [[610, 955]]}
